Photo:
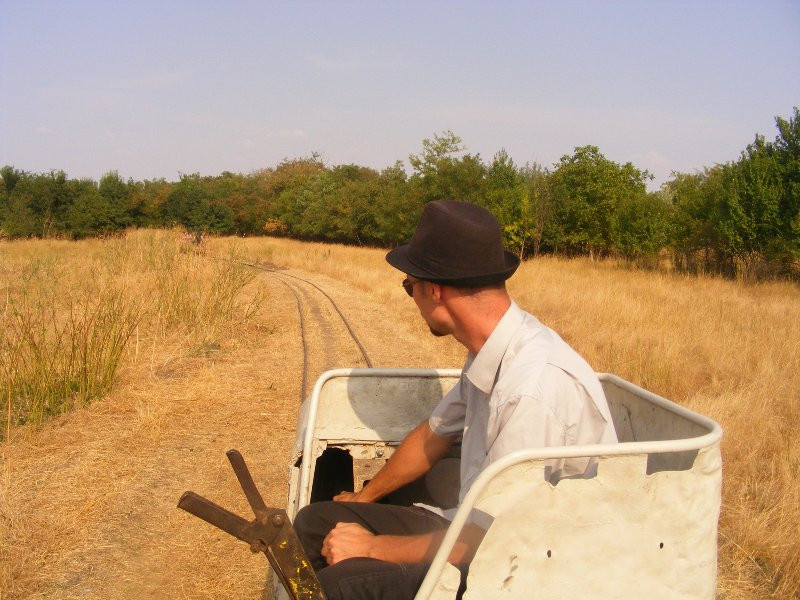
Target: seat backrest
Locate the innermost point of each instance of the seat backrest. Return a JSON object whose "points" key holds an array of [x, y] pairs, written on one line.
{"points": [[644, 526], [621, 534]]}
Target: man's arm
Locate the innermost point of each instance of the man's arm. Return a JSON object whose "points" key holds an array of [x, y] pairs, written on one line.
{"points": [[351, 540], [414, 457]]}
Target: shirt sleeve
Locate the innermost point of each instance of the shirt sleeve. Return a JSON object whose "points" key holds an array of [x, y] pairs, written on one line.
{"points": [[449, 416]]}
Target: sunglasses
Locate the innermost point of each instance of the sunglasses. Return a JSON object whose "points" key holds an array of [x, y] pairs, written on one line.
{"points": [[408, 286]]}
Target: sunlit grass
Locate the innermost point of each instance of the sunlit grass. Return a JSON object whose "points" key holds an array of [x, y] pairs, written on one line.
{"points": [[723, 348], [70, 310], [56, 356]]}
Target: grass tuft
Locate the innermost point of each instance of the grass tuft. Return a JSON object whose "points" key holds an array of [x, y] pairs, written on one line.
{"points": [[69, 316], [56, 356]]}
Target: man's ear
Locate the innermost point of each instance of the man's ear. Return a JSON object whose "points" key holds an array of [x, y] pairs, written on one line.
{"points": [[436, 292]]}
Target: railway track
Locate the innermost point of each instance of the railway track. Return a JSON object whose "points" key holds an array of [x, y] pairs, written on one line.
{"points": [[320, 318]]}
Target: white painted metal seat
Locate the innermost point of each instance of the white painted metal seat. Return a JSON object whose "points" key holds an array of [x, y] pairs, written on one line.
{"points": [[644, 526]]}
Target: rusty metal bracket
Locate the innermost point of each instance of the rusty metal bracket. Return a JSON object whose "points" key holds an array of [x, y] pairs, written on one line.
{"points": [[271, 532]]}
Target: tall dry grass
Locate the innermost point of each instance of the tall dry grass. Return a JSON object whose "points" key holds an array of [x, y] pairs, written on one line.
{"points": [[727, 349], [71, 309], [87, 500], [56, 355]]}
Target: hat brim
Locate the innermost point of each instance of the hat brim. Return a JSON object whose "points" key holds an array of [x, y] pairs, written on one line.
{"points": [[399, 259]]}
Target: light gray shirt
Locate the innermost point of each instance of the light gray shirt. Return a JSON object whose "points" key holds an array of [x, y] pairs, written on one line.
{"points": [[526, 388]]}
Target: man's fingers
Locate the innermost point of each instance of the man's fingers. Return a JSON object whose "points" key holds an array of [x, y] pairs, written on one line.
{"points": [[326, 549], [329, 543], [345, 540], [347, 497]]}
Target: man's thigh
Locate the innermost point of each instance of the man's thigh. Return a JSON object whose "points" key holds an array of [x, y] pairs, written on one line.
{"points": [[370, 579], [380, 519], [314, 521]]}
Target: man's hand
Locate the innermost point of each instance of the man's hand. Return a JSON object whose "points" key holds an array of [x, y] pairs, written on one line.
{"points": [[347, 540], [414, 457], [348, 497], [351, 540]]}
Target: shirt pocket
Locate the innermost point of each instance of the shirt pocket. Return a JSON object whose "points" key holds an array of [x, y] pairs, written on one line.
{"points": [[500, 410]]}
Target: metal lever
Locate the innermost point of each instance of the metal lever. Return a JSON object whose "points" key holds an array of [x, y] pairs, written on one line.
{"points": [[270, 532]]}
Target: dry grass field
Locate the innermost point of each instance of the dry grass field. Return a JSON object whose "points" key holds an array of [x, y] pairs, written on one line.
{"points": [[210, 361]]}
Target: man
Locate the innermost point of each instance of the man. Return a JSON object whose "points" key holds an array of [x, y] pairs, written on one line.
{"points": [[521, 387]]}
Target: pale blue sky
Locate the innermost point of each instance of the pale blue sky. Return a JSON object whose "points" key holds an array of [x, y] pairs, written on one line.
{"points": [[154, 89]]}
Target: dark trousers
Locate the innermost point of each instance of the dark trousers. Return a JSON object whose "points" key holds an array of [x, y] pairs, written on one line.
{"points": [[365, 578]]}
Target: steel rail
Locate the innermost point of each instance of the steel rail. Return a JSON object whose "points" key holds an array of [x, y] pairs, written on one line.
{"points": [[304, 341], [338, 311], [303, 329]]}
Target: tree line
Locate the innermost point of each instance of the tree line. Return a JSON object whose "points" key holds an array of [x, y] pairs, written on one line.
{"points": [[738, 218]]}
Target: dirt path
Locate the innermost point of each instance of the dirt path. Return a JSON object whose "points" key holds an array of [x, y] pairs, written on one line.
{"points": [[91, 496]]}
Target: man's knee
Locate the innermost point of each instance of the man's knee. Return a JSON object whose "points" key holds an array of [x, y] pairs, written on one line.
{"points": [[312, 523], [316, 519], [304, 516], [311, 527]]}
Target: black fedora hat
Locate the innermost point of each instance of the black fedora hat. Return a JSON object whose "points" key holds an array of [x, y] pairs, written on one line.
{"points": [[456, 243]]}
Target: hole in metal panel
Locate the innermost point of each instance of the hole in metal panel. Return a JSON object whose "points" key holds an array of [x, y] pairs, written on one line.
{"points": [[333, 474]]}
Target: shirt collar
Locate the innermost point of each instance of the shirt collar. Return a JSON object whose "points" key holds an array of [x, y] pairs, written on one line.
{"points": [[483, 368]]}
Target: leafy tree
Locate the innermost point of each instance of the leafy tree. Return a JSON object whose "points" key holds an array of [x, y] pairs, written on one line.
{"points": [[506, 195], [49, 199], [247, 203], [696, 241], [461, 179], [441, 174], [189, 204], [786, 246], [116, 208], [37, 204], [271, 182], [540, 227], [280, 189], [17, 219], [90, 213], [643, 228], [397, 205], [742, 217], [442, 147], [352, 204], [147, 199], [317, 199], [10, 176], [749, 209], [589, 191], [759, 211]]}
